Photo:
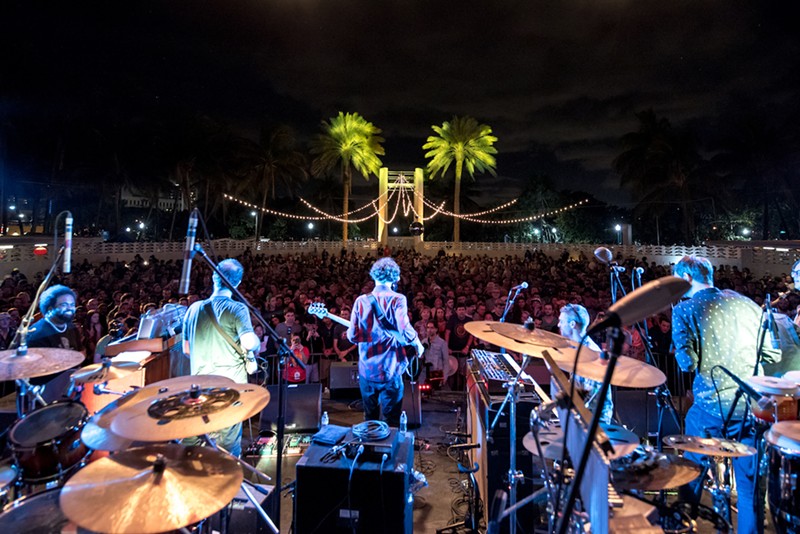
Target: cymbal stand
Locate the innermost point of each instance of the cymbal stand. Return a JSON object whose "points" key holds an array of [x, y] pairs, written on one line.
{"points": [[245, 483], [514, 475]]}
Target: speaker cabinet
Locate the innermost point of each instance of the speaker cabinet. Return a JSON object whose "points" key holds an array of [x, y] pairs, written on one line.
{"points": [[244, 518], [344, 380], [303, 408], [638, 411], [375, 499]]}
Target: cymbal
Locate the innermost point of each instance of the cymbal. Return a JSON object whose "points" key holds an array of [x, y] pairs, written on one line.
{"points": [[103, 372], [532, 342], [97, 434], [151, 489], [654, 472], [190, 412], [38, 362], [629, 372], [785, 434], [551, 439], [709, 446]]}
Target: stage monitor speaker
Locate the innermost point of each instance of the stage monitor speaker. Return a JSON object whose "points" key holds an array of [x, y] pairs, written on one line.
{"points": [[244, 518], [344, 380], [303, 408], [412, 404], [375, 499], [637, 410]]}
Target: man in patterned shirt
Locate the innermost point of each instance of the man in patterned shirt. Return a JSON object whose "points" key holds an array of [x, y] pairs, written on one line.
{"points": [[719, 328], [381, 360]]}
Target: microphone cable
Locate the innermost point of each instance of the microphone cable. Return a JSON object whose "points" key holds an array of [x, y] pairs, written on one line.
{"points": [[371, 430]]}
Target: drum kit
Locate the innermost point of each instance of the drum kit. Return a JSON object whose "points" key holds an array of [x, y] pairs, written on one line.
{"points": [[638, 468], [145, 481]]}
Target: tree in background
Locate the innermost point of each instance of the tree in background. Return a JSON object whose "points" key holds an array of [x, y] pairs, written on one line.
{"points": [[468, 144], [348, 141]]}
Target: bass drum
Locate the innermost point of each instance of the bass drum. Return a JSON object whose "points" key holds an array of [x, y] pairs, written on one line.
{"points": [[46, 442], [783, 456]]}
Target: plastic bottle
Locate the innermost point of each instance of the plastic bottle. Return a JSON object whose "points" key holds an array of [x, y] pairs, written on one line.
{"points": [[325, 420], [403, 422]]}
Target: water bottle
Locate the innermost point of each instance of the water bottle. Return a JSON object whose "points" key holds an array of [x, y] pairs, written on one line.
{"points": [[325, 420], [403, 422]]}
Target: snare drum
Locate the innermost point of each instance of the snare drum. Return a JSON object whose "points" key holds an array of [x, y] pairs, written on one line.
{"points": [[783, 455], [46, 443], [783, 394]]}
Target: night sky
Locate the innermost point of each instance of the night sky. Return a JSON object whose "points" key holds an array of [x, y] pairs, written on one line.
{"points": [[558, 81]]}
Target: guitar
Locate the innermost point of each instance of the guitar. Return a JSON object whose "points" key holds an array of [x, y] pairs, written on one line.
{"points": [[318, 309]]}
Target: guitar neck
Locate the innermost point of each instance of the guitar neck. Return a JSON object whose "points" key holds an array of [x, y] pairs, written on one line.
{"points": [[337, 319]]}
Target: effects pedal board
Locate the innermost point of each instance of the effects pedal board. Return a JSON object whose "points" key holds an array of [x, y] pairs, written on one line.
{"points": [[293, 445]]}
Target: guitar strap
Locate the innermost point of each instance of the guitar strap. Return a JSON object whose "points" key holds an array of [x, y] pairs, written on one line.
{"points": [[385, 322], [207, 307]]}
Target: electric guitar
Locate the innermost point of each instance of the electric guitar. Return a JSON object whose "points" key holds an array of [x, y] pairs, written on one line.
{"points": [[318, 309]]}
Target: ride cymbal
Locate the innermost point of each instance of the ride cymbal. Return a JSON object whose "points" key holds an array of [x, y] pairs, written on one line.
{"points": [[190, 412], [37, 362], [629, 372], [103, 372], [151, 489]]}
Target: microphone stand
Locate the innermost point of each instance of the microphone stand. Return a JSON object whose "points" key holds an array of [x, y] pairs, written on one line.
{"points": [[614, 344], [510, 302], [30, 395], [513, 474], [283, 352]]}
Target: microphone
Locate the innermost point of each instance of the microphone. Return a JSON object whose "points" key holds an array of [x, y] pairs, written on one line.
{"points": [[748, 390], [618, 268], [603, 255], [67, 268], [188, 254], [639, 271], [645, 301], [775, 340], [523, 285]]}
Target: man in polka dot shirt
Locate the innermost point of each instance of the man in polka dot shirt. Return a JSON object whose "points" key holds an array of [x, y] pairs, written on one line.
{"points": [[719, 328]]}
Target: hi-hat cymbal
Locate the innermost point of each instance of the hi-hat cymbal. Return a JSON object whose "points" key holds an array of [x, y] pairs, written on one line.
{"points": [[709, 446], [97, 433], [654, 472], [629, 372], [38, 362], [103, 372], [551, 440], [151, 489], [532, 342], [189, 412]]}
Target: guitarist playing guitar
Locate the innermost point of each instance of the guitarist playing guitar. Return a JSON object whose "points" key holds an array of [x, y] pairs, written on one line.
{"points": [[380, 327]]}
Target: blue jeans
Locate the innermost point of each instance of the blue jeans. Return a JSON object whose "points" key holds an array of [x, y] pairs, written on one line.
{"points": [[386, 397], [229, 438], [701, 423]]}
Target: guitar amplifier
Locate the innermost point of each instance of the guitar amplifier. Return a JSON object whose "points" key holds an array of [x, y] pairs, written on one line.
{"points": [[344, 380], [303, 408]]}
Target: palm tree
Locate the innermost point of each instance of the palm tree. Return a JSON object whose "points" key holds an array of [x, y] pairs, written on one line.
{"points": [[662, 166], [468, 144], [276, 163], [348, 140]]}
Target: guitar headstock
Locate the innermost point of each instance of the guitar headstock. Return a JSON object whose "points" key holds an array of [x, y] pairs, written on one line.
{"points": [[318, 309]]}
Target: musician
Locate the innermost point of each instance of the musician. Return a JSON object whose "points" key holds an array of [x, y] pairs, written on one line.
{"points": [[573, 321], [436, 354], [796, 279], [208, 350], [381, 359], [459, 341], [719, 327]]}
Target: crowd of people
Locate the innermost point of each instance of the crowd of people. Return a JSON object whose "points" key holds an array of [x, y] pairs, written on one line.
{"points": [[444, 292]]}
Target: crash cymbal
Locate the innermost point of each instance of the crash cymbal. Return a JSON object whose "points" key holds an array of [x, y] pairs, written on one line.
{"points": [[519, 339], [551, 439], [151, 489], [97, 434], [654, 472], [709, 446], [38, 362], [103, 372], [178, 414], [629, 372]]}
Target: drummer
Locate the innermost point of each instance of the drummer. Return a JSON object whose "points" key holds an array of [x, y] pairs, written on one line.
{"points": [[573, 321]]}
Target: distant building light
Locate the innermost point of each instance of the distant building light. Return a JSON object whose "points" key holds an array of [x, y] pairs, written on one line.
{"points": [[127, 228], [141, 226], [617, 228], [746, 231], [12, 207], [310, 226], [395, 229]]}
